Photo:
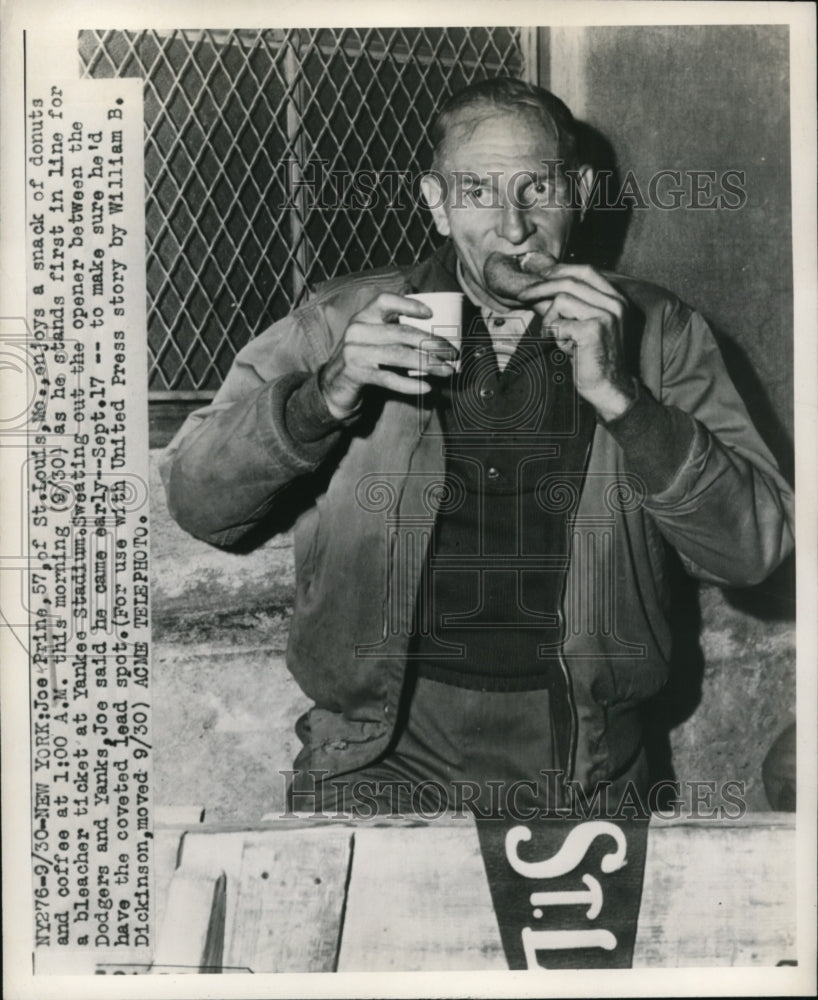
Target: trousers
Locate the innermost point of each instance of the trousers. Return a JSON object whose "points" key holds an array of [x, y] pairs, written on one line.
{"points": [[458, 749]]}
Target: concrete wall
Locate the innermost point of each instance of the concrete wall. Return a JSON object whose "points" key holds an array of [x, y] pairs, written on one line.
{"points": [[223, 702], [700, 98]]}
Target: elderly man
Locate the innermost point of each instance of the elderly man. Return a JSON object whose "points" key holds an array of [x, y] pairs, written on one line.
{"points": [[481, 602]]}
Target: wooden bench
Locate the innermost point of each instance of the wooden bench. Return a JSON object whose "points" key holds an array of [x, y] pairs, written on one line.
{"points": [[303, 896]]}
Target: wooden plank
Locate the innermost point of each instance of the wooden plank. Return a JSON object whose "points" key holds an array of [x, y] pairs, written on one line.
{"points": [[275, 823], [200, 850], [165, 853], [180, 816], [291, 888], [192, 934], [419, 900], [718, 894]]}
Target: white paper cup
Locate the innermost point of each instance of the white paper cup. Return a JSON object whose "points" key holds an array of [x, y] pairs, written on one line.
{"points": [[446, 320]]}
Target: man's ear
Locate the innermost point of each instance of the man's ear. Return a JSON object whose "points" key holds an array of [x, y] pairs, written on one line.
{"points": [[585, 176], [433, 187]]}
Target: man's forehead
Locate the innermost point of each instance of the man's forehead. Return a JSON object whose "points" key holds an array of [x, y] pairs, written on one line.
{"points": [[501, 133]]}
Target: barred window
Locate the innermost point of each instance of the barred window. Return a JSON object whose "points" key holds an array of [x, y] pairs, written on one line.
{"points": [[275, 159]]}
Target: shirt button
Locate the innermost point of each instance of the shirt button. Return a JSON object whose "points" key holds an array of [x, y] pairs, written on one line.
{"points": [[493, 473], [486, 393]]}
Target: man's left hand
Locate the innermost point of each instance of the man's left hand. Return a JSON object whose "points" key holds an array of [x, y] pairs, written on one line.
{"points": [[586, 314]]}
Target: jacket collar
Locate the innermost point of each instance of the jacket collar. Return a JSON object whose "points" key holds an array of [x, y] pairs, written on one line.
{"points": [[437, 273]]}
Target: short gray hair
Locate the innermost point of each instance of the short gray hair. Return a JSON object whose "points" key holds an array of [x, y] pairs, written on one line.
{"points": [[505, 93]]}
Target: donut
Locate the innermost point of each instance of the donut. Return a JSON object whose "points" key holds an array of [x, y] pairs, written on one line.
{"points": [[507, 275]]}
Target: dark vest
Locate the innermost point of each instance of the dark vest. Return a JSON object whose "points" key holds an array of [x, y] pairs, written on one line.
{"points": [[491, 592]]}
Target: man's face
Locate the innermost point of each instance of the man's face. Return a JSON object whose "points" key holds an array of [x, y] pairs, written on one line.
{"points": [[500, 194]]}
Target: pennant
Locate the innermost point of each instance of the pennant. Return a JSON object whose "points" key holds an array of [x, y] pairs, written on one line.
{"points": [[566, 891]]}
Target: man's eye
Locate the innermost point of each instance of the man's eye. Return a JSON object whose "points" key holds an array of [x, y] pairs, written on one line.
{"points": [[538, 193], [477, 194]]}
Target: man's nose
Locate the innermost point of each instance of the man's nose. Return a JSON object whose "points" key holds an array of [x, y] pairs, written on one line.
{"points": [[515, 223]]}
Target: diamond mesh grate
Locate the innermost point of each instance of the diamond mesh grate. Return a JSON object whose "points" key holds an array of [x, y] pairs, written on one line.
{"points": [[260, 154]]}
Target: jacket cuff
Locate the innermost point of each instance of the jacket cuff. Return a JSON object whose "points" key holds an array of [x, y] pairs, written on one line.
{"points": [[307, 416], [656, 439]]}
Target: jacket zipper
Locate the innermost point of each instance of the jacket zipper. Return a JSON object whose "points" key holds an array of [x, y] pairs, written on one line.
{"points": [[574, 726]]}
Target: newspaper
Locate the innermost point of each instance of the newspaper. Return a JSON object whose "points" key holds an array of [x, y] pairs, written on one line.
{"points": [[80, 753]]}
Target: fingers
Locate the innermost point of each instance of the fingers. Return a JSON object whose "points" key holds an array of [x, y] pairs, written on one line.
{"points": [[377, 350], [378, 323], [564, 298], [388, 306], [581, 282], [370, 344], [361, 332], [581, 310], [565, 305], [364, 358], [587, 275], [396, 382]]}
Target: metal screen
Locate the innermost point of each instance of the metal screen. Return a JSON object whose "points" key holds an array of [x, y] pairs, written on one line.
{"points": [[261, 149]]}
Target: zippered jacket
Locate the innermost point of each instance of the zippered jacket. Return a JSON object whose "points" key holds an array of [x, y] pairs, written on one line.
{"points": [[266, 453]]}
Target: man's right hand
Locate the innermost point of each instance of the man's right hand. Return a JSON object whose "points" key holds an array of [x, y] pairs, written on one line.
{"points": [[373, 345]]}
